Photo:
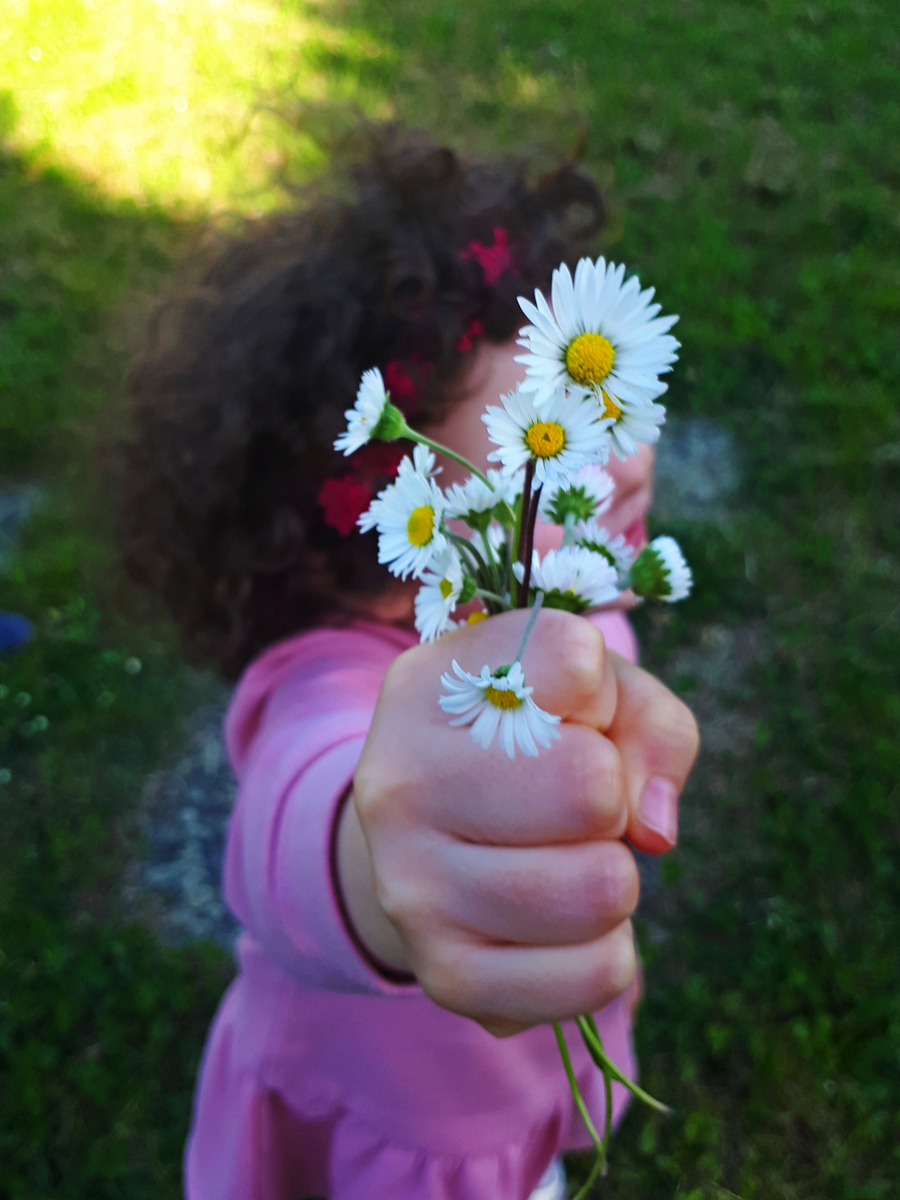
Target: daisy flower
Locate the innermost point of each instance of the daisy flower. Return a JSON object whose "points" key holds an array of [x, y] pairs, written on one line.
{"points": [[631, 422], [572, 578], [475, 500], [601, 332], [372, 416], [660, 572], [408, 515], [586, 495], [591, 536], [560, 439], [422, 462], [498, 702], [443, 587]]}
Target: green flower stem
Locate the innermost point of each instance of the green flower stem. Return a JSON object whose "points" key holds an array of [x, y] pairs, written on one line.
{"points": [[494, 598], [493, 565], [600, 1162], [439, 449], [529, 541], [607, 1117], [476, 562], [514, 543], [592, 1040], [522, 532], [535, 609], [568, 526]]}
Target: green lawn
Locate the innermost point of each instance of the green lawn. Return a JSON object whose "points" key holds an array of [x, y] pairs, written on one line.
{"points": [[752, 154]]}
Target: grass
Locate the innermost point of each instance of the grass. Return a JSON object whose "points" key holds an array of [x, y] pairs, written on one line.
{"points": [[753, 159]]}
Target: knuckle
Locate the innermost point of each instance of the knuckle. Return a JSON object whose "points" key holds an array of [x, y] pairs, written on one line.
{"points": [[618, 961], [447, 980], [594, 777], [614, 885], [580, 657]]}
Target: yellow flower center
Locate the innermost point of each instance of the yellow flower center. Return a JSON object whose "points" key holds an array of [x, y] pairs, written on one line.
{"points": [[610, 408], [589, 358], [502, 699], [446, 587], [545, 439], [475, 617], [420, 526]]}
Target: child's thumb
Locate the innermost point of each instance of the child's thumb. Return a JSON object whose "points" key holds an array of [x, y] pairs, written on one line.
{"points": [[657, 738]]}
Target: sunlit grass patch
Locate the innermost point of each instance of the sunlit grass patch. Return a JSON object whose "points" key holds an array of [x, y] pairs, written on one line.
{"points": [[167, 100]]}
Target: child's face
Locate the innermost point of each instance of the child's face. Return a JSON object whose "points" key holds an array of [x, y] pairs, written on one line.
{"points": [[494, 373]]}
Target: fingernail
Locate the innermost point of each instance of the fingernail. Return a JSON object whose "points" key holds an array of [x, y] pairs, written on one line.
{"points": [[658, 808]]}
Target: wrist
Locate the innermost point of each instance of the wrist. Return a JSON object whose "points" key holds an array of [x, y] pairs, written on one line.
{"points": [[376, 939]]}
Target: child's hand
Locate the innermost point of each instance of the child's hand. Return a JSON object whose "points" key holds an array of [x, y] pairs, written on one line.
{"points": [[504, 886]]}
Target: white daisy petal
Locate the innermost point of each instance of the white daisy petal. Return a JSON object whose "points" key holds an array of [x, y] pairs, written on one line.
{"points": [[632, 421], [585, 341], [498, 703], [363, 417], [475, 497], [584, 495], [438, 596], [589, 535], [661, 573], [559, 439], [572, 578], [408, 516]]}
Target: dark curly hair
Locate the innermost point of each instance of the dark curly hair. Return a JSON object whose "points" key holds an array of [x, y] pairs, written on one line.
{"points": [[242, 388]]}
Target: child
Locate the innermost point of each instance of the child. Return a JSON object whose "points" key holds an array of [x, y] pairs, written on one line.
{"points": [[408, 901]]}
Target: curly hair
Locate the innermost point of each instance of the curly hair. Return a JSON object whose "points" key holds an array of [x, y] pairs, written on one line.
{"points": [[243, 385]]}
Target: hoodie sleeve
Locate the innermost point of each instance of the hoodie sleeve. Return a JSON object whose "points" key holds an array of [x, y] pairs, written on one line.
{"points": [[295, 731]]}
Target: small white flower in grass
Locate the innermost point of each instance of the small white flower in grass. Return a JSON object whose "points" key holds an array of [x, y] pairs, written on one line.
{"points": [[590, 535], [475, 500], [407, 515], [660, 572], [572, 578], [443, 587], [585, 495], [560, 439], [601, 332], [498, 702], [372, 416]]}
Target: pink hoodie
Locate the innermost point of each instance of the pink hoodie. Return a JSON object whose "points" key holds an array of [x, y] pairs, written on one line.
{"points": [[321, 1076]]}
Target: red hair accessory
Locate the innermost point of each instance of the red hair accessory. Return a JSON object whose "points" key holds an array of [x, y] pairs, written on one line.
{"points": [[377, 458], [401, 385], [494, 260], [474, 329], [344, 501]]}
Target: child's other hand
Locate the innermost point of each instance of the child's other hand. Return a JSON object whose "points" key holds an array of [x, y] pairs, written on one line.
{"points": [[505, 886]]}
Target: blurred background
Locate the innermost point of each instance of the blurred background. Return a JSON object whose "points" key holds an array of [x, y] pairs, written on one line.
{"points": [[751, 153]]}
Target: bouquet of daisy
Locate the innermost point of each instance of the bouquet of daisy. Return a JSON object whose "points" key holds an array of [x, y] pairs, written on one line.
{"points": [[593, 356]]}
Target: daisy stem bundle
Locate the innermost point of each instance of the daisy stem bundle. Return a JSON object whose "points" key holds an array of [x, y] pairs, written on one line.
{"points": [[536, 608], [494, 598], [588, 1028], [600, 1144]]}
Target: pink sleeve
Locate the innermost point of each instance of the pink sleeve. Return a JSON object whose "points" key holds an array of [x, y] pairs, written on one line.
{"points": [[617, 633], [295, 746]]}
